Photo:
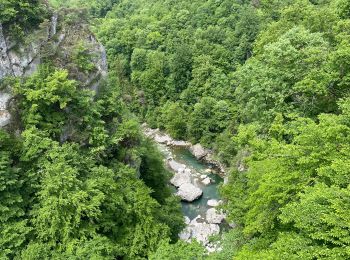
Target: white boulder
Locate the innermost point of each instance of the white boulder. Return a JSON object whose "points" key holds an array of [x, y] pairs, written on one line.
{"points": [[198, 151], [189, 192], [214, 217], [180, 143], [176, 166], [206, 181], [187, 220], [180, 177], [185, 234], [201, 231], [188, 171], [213, 203]]}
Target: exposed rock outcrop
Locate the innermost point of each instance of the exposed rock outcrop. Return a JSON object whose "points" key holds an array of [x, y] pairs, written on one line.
{"points": [[162, 139], [206, 181], [176, 166], [5, 116], [53, 40]]}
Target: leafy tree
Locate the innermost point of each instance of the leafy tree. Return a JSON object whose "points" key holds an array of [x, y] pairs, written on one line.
{"points": [[18, 15], [12, 223], [174, 118], [180, 250]]}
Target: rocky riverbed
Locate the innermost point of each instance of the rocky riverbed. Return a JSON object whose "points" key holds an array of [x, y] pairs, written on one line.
{"points": [[196, 179]]}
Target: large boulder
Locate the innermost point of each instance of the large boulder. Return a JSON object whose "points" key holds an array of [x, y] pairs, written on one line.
{"points": [[189, 192], [213, 203], [198, 151], [201, 231], [181, 177], [206, 181], [176, 166], [214, 217]]}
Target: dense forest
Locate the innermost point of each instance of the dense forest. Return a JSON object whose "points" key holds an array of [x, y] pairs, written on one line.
{"points": [[265, 84]]}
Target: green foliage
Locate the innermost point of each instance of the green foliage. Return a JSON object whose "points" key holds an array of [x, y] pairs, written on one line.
{"points": [[18, 15], [180, 250], [97, 8], [81, 181], [82, 58], [288, 184], [285, 78], [174, 119], [209, 118]]}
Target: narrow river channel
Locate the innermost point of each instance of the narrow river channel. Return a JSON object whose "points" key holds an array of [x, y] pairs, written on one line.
{"points": [[197, 183], [210, 192]]}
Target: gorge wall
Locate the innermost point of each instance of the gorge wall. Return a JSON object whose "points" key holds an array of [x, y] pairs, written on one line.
{"points": [[56, 41]]}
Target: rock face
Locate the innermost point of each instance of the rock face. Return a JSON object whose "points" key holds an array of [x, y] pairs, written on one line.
{"points": [[56, 41], [5, 64], [5, 116], [20, 59], [214, 217], [198, 151], [189, 192]]}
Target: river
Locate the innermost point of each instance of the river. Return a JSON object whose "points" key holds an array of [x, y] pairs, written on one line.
{"points": [[199, 206], [210, 191], [193, 177]]}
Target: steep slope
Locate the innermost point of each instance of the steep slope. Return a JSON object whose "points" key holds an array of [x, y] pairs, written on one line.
{"points": [[78, 179]]}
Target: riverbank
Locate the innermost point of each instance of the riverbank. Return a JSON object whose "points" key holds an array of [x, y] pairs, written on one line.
{"points": [[198, 151]]}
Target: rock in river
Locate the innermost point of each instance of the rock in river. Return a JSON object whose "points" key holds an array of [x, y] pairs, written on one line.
{"points": [[200, 230], [214, 217], [175, 166], [198, 151], [213, 203], [189, 192], [181, 177], [206, 181]]}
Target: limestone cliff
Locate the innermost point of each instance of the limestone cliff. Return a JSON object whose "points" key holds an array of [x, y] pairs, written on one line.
{"points": [[54, 41]]}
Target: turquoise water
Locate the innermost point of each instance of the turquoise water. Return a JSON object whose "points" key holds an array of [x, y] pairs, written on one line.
{"points": [[198, 207]]}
